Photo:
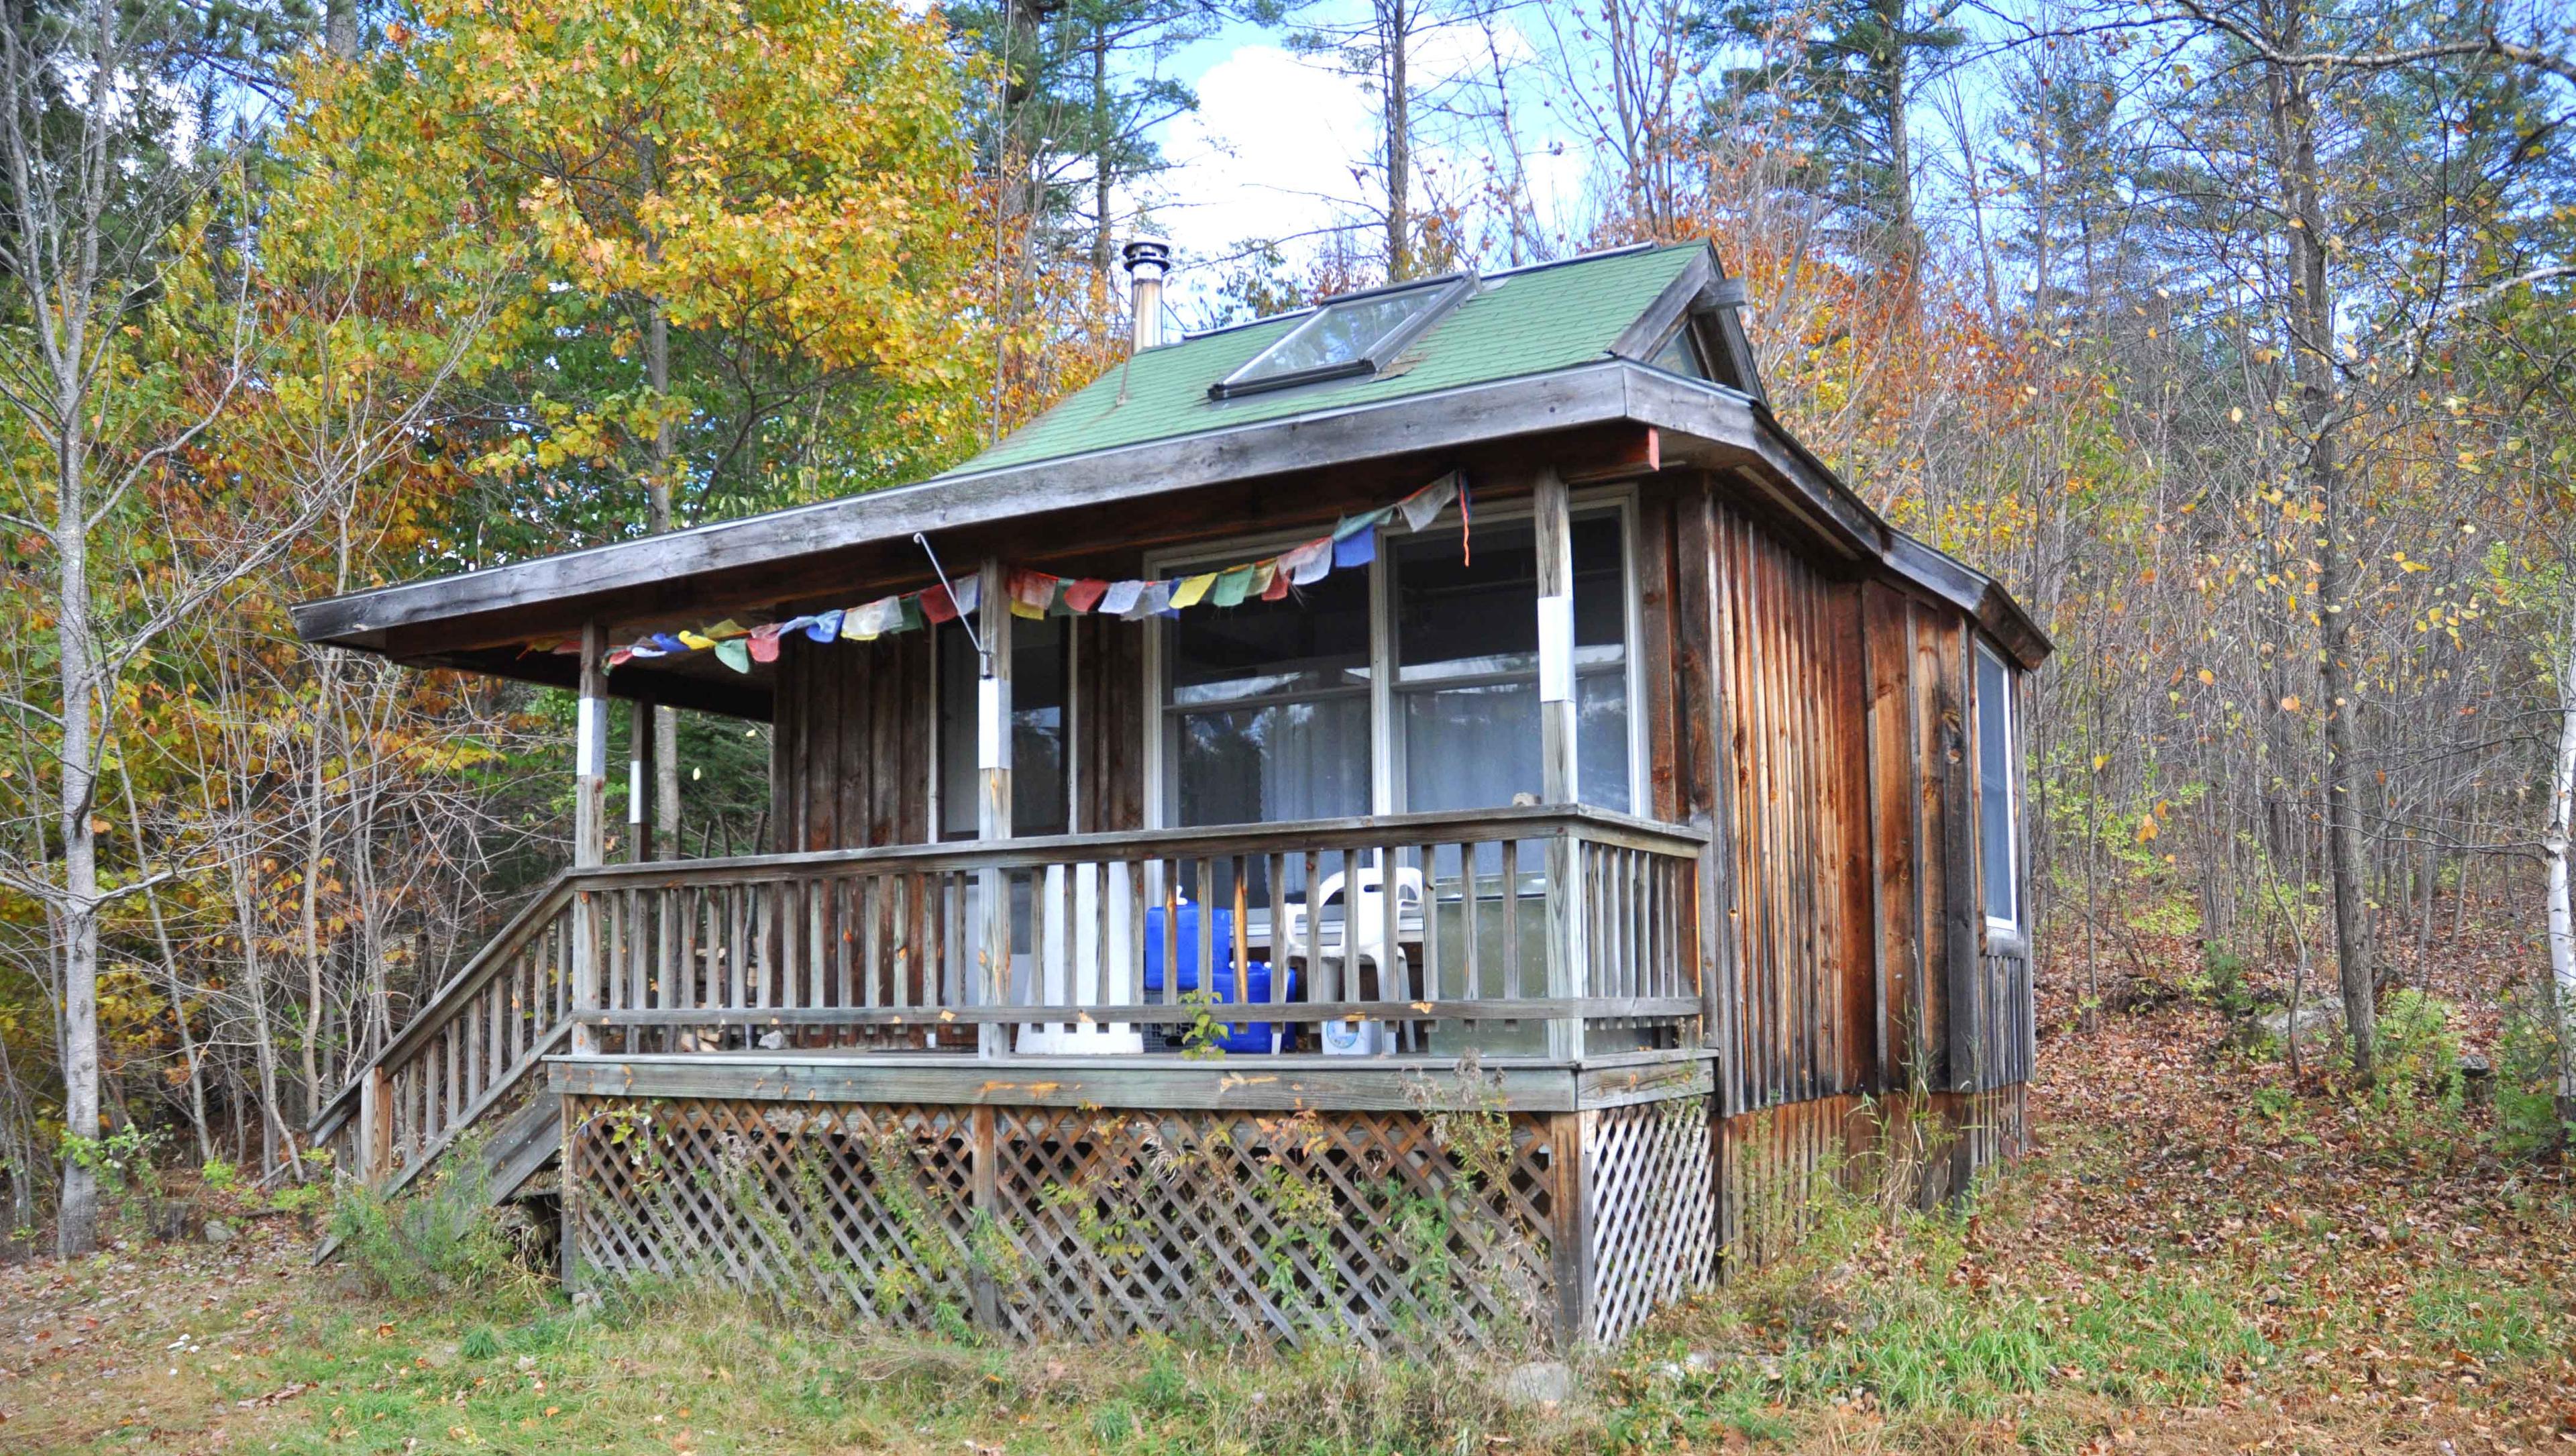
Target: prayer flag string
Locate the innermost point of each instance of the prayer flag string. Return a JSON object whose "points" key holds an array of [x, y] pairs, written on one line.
{"points": [[1037, 594]]}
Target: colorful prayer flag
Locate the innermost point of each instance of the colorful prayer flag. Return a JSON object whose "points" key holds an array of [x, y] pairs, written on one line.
{"points": [[1191, 589], [1083, 595], [695, 641], [735, 653], [764, 643], [1122, 598], [968, 594], [728, 628], [620, 656], [669, 643], [1423, 506], [1277, 591], [1307, 564], [1231, 584], [1263, 574], [1032, 592], [1357, 549], [907, 614], [937, 605], [825, 626]]}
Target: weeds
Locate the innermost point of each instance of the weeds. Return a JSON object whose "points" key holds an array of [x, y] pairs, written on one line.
{"points": [[438, 1239]]}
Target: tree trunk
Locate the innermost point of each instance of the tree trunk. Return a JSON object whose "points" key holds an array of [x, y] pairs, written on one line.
{"points": [[2562, 915], [1395, 21], [2310, 317]]}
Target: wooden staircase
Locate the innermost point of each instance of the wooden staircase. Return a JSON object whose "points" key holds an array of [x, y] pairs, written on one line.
{"points": [[471, 1061]]}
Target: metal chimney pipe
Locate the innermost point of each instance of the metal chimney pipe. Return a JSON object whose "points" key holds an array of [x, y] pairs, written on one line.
{"points": [[1146, 261]]}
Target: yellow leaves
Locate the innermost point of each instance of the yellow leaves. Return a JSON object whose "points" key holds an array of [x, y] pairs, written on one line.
{"points": [[2290, 704], [2208, 678], [2147, 829]]}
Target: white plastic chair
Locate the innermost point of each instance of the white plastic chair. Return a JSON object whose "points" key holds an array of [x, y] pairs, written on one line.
{"points": [[1361, 935]]}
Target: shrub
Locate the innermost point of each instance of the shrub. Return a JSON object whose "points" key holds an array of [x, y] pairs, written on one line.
{"points": [[2527, 1124], [2419, 1043], [439, 1238]]}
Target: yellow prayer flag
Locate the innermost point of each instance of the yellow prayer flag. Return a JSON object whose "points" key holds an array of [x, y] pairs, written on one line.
{"points": [[1193, 588]]}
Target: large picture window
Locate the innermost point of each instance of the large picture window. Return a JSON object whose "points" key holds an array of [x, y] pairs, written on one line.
{"points": [[1466, 674], [1272, 711], [1995, 816]]}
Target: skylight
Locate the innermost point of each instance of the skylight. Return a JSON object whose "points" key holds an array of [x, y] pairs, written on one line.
{"points": [[1360, 334]]}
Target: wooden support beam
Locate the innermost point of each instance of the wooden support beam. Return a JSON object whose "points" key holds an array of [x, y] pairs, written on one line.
{"points": [[993, 797], [590, 822], [1568, 946], [639, 782]]}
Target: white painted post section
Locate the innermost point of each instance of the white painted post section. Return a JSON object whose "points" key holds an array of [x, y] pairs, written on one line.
{"points": [[993, 800], [589, 824], [1568, 973]]}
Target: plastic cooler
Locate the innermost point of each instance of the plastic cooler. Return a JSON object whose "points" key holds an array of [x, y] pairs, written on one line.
{"points": [[1240, 1036]]}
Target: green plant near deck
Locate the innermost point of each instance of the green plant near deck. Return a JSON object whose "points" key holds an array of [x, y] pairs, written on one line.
{"points": [[437, 1239]]}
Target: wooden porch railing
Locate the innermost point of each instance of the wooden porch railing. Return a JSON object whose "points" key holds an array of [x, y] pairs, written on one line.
{"points": [[1534, 926], [1546, 932]]}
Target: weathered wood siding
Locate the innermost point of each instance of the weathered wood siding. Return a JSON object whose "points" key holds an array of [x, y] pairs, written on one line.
{"points": [[1823, 724], [851, 754], [1108, 747], [1789, 679]]}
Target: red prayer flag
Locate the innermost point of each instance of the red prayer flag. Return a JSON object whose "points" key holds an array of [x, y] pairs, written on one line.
{"points": [[937, 604], [1083, 595]]}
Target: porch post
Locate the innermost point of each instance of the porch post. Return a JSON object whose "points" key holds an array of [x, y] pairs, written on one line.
{"points": [[1555, 640], [993, 800], [639, 784], [590, 824], [1568, 976]]}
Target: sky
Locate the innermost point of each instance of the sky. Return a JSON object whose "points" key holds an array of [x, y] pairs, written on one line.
{"points": [[1280, 144]]}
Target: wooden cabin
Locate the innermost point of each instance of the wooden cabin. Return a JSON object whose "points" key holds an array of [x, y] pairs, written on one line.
{"points": [[1431, 817]]}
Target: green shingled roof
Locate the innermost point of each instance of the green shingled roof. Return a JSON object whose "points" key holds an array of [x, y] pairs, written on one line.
{"points": [[1529, 322]]}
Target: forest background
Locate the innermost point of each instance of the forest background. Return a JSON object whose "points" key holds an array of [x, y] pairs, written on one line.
{"points": [[2233, 335]]}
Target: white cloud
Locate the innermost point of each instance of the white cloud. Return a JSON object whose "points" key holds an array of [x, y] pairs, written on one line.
{"points": [[1270, 151]]}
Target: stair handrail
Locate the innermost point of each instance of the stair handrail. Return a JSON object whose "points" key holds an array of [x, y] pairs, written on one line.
{"points": [[439, 1008]]}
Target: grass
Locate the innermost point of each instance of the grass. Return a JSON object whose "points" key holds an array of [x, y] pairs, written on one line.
{"points": [[2203, 1256]]}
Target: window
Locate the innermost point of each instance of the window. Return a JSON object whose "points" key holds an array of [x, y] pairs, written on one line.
{"points": [[1271, 711], [1360, 334], [1466, 675], [1039, 801], [1266, 712], [1995, 790], [1679, 355]]}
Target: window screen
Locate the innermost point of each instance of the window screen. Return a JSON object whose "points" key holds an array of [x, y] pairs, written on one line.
{"points": [[1267, 710], [1995, 788], [1466, 678]]}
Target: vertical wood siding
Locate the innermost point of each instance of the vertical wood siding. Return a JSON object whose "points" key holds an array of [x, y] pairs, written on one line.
{"points": [[850, 745], [1789, 667]]}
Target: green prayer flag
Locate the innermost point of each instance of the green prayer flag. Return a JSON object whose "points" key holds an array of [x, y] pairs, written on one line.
{"points": [[1231, 584], [735, 652]]}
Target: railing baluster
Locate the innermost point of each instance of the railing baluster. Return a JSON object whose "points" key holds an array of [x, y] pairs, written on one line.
{"points": [[1512, 920]]}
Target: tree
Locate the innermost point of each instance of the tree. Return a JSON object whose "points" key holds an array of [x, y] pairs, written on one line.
{"points": [[764, 219], [1849, 71]]}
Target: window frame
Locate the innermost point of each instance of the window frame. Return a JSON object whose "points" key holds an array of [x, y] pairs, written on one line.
{"points": [[1387, 789], [2005, 928], [1445, 292]]}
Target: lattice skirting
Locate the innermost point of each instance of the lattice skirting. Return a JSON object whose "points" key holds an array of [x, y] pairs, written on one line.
{"points": [[1394, 1229]]}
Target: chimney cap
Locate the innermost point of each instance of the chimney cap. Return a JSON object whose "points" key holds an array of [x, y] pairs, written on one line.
{"points": [[1142, 253]]}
